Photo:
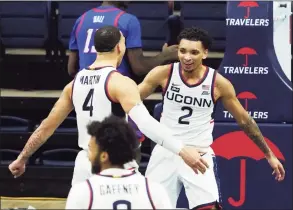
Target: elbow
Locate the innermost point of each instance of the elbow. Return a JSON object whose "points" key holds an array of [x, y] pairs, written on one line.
{"points": [[244, 120]]}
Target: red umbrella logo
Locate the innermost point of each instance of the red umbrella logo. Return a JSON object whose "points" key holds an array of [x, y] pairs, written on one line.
{"points": [[246, 95], [246, 51], [248, 5], [238, 144]]}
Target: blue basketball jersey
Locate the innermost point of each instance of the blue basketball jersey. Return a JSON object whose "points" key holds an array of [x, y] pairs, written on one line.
{"points": [[82, 36]]}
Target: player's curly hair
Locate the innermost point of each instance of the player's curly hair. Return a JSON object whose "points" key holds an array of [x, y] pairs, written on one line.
{"points": [[115, 136], [196, 34]]}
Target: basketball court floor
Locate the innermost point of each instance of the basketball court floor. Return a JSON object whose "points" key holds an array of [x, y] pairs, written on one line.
{"points": [[32, 202]]}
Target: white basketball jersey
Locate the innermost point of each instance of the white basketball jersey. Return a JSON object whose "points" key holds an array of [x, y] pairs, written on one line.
{"points": [[90, 100], [122, 190], [188, 109]]}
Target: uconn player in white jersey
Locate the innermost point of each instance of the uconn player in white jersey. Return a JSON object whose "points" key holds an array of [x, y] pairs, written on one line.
{"points": [[190, 91], [92, 94], [112, 144]]}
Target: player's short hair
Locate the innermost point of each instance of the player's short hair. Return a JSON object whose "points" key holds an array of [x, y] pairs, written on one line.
{"points": [[116, 137], [196, 34], [106, 38]]}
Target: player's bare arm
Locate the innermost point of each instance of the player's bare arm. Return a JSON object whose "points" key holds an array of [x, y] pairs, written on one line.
{"points": [[225, 91], [141, 64], [156, 77], [73, 63], [124, 90], [57, 115]]}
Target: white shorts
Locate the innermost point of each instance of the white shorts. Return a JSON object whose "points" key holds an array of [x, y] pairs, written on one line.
{"points": [[171, 171], [83, 168]]}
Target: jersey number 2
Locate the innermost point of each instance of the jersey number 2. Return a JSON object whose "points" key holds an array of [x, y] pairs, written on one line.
{"points": [[88, 102], [182, 119], [125, 203]]}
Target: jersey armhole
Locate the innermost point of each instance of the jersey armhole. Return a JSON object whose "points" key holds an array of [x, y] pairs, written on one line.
{"points": [[149, 193], [106, 86], [73, 88], [91, 194], [168, 80], [213, 86]]}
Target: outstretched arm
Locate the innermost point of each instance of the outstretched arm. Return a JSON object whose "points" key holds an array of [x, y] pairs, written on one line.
{"points": [[244, 120], [125, 91], [156, 77], [228, 97], [57, 115]]}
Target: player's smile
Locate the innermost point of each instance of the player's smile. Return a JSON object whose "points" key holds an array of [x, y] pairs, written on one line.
{"points": [[188, 66]]}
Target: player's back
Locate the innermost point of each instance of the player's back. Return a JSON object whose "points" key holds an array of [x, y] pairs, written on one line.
{"points": [[91, 21], [91, 100], [127, 190]]}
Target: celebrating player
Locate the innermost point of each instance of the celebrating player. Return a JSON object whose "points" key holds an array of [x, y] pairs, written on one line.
{"points": [[190, 93]]}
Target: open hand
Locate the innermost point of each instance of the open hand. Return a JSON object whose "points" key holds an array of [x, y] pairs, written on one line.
{"points": [[191, 157]]}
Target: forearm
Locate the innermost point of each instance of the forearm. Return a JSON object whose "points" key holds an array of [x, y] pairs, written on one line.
{"points": [[72, 69], [36, 140], [145, 64], [145, 91], [73, 63], [154, 130], [251, 129]]}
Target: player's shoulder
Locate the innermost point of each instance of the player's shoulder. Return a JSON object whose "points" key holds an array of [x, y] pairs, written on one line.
{"points": [[128, 21], [160, 72], [163, 69], [222, 84], [118, 79], [128, 16]]}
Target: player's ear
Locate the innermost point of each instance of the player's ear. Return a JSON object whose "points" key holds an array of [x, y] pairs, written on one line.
{"points": [[205, 54], [104, 157], [118, 49]]}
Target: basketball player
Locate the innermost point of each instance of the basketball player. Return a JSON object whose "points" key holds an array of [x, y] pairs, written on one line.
{"points": [[190, 91], [112, 144], [95, 92], [82, 48]]}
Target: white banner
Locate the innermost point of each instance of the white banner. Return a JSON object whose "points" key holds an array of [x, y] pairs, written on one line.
{"points": [[282, 42]]}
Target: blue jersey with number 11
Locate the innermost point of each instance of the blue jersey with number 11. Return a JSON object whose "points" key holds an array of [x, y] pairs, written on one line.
{"points": [[82, 36]]}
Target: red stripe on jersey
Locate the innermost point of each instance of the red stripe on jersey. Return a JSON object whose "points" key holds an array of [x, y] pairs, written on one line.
{"points": [[117, 18]]}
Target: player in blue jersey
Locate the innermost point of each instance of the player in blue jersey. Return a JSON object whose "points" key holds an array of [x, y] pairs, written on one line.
{"points": [[110, 13]]}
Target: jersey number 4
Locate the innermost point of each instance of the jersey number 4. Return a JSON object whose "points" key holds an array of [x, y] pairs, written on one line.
{"points": [[88, 102], [183, 118]]}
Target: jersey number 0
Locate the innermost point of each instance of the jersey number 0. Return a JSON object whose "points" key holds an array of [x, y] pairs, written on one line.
{"points": [[123, 203], [88, 102]]}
